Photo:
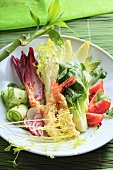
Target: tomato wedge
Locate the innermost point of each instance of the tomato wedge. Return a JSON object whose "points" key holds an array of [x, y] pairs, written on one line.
{"points": [[94, 119], [94, 89], [94, 100], [100, 107]]}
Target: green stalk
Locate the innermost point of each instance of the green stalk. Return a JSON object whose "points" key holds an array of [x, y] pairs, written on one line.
{"points": [[12, 47], [21, 41], [35, 35]]}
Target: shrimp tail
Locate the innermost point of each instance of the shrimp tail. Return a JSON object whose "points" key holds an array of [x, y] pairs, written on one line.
{"points": [[56, 88], [67, 83]]}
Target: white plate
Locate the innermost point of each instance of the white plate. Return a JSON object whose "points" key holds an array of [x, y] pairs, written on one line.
{"points": [[20, 137]]}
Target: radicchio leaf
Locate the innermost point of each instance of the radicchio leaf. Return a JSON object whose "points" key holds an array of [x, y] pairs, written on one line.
{"points": [[26, 68], [16, 63]]}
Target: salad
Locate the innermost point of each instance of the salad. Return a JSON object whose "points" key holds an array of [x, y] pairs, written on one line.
{"points": [[61, 93]]}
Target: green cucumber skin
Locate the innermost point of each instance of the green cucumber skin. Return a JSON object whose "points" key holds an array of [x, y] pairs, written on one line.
{"points": [[8, 118], [17, 113]]}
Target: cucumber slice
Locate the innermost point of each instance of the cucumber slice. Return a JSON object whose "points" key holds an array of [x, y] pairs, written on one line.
{"points": [[9, 118], [20, 96], [17, 113], [17, 116], [13, 97]]}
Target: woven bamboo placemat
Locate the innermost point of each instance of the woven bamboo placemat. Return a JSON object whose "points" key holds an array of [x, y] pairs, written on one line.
{"points": [[98, 30]]}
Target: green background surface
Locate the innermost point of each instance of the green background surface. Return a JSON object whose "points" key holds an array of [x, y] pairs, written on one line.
{"points": [[15, 14]]}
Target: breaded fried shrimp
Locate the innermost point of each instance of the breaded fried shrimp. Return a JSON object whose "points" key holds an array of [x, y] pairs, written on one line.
{"points": [[33, 102], [58, 120]]}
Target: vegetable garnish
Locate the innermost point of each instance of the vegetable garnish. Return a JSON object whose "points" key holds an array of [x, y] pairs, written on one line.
{"points": [[27, 71], [97, 74], [109, 113], [16, 151]]}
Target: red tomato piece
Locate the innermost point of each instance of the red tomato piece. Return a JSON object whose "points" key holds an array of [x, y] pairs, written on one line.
{"points": [[93, 100], [94, 89], [94, 119], [100, 107]]}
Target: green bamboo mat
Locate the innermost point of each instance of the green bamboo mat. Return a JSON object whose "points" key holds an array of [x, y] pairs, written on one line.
{"points": [[98, 30]]}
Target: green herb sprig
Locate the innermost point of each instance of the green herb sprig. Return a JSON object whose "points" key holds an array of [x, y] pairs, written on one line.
{"points": [[16, 151], [109, 113]]}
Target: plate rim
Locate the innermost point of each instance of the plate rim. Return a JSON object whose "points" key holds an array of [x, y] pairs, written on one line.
{"points": [[66, 37]]}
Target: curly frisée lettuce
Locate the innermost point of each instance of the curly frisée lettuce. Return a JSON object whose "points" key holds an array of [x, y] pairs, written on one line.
{"points": [[49, 58]]}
